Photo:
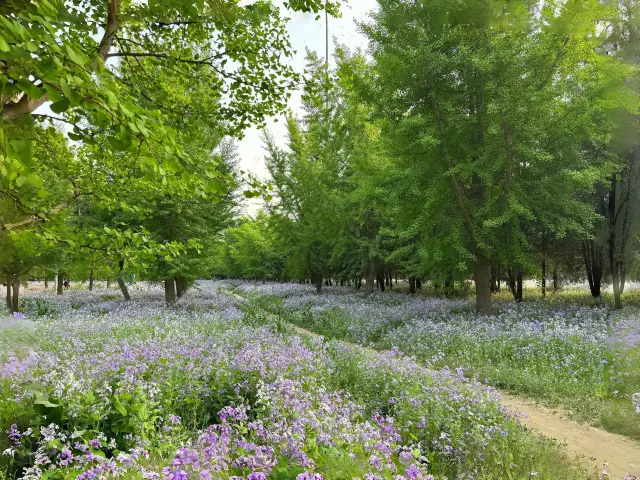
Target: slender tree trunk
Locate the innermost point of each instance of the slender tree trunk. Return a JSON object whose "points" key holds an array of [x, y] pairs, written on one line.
{"points": [[381, 281], [613, 264], [170, 291], [482, 279], [494, 280], [371, 274], [412, 284], [593, 261], [180, 287], [319, 287], [555, 278], [108, 284], [91, 280], [544, 277], [121, 284], [448, 286], [396, 276], [60, 280], [519, 287], [15, 300], [46, 283], [9, 302], [418, 283]]}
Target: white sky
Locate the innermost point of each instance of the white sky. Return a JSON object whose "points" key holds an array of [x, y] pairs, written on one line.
{"points": [[305, 32]]}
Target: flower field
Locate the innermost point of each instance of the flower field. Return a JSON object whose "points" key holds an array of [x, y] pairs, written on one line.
{"points": [[583, 358], [214, 387]]}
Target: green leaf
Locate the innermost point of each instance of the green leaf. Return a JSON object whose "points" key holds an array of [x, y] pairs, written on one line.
{"points": [[4, 46], [45, 403], [119, 406], [61, 106]]}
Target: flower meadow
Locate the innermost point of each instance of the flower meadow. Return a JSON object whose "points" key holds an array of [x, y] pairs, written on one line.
{"points": [[213, 388], [584, 358]]}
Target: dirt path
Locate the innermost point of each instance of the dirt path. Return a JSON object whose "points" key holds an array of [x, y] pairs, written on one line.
{"points": [[615, 454], [616, 457]]}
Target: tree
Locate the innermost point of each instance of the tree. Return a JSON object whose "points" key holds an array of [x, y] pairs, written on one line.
{"points": [[488, 106], [62, 53]]}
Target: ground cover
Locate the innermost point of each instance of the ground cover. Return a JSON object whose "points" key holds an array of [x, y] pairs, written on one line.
{"points": [[213, 388], [584, 358]]}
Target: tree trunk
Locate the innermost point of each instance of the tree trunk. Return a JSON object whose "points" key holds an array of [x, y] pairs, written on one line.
{"points": [[121, 284], [613, 263], [46, 283], [593, 261], [91, 280], [555, 279], [418, 283], [381, 281], [370, 277], [60, 280], [180, 287], [15, 301], [515, 284], [319, 287], [482, 278], [544, 277], [9, 302], [448, 286], [494, 280], [170, 291], [108, 284], [412, 284], [124, 289]]}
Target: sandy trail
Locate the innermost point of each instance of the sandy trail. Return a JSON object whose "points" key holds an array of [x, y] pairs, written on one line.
{"points": [[614, 454]]}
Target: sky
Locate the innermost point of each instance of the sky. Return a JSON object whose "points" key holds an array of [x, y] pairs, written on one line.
{"points": [[305, 32]]}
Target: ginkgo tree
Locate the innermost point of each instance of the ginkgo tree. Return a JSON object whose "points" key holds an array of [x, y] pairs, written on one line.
{"points": [[67, 56], [488, 107]]}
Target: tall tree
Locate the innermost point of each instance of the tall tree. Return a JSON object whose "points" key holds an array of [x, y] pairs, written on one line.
{"points": [[488, 106]]}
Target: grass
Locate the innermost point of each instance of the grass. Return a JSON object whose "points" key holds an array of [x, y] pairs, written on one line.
{"points": [[593, 380]]}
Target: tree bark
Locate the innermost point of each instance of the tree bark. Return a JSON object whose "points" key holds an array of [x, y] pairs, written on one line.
{"points": [[519, 287], [180, 287], [15, 300], [371, 274], [613, 263], [9, 302], [60, 280], [544, 277], [418, 283], [381, 281], [555, 279], [170, 291], [482, 279], [494, 280], [91, 280], [46, 283], [412, 284], [593, 261], [121, 284]]}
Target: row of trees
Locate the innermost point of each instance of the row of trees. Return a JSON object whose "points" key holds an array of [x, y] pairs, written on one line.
{"points": [[117, 122], [492, 140]]}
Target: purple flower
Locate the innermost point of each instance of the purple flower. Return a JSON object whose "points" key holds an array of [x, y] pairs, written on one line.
{"points": [[18, 315], [257, 476]]}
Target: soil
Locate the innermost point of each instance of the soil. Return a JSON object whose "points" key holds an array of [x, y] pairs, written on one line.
{"points": [[611, 454]]}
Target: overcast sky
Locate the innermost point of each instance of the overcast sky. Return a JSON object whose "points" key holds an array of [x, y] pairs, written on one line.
{"points": [[305, 32]]}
